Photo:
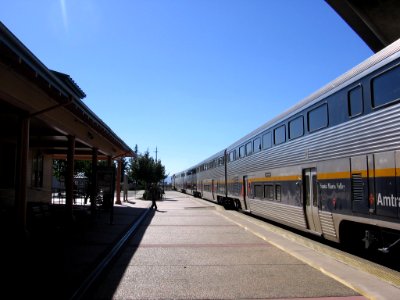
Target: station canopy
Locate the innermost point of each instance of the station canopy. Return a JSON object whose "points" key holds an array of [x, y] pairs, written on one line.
{"points": [[377, 22]]}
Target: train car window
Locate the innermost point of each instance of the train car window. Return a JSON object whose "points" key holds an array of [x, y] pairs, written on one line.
{"points": [[267, 140], [258, 192], [269, 191], [296, 127], [385, 87], [242, 152], [257, 145], [355, 101], [232, 155], [318, 118], [277, 192], [280, 135], [249, 148]]}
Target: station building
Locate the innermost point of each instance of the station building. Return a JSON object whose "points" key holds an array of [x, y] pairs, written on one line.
{"points": [[42, 118]]}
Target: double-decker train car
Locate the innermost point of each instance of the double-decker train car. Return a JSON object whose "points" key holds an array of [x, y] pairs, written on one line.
{"points": [[330, 165], [185, 181], [211, 177]]}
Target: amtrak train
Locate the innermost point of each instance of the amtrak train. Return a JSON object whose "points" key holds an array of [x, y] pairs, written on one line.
{"points": [[330, 165]]}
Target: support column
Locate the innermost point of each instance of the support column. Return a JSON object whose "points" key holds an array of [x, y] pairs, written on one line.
{"points": [[118, 183], [93, 186], [21, 174], [125, 188], [109, 164], [69, 178]]}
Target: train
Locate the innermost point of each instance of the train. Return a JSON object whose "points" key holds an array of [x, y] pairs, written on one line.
{"points": [[329, 165]]}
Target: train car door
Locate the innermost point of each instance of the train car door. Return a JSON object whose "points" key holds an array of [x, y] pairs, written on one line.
{"points": [[245, 185], [311, 199], [213, 189]]}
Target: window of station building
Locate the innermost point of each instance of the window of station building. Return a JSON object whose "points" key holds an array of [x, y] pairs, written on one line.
{"points": [[249, 148], [385, 87], [258, 192], [277, 192], [269, 191], [37, 170], [318, 118], [296, 127], [267, 140], [257, 145], [355, 101], [280, 135], [242, 152]]}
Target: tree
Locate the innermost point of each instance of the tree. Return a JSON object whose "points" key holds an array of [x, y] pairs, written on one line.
{"points": [[59, 169], [159, 172], [84, 166], [124, 166], [144, 169]]}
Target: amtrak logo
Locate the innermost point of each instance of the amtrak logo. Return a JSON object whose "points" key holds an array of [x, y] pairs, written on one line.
{"points": [[388, 201]]}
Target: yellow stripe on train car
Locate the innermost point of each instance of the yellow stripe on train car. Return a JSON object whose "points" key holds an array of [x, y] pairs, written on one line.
{"points": [[389, 172]]}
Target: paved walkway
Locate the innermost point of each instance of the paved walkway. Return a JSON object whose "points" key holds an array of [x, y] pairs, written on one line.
{"points": [[193, 249], [188, 249]]}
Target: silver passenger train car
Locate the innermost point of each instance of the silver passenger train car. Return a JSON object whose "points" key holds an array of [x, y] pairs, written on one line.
{"points": [[330, 165]]}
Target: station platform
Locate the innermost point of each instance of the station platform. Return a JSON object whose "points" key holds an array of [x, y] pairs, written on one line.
{"points": [[193, 249], [188, 249]]}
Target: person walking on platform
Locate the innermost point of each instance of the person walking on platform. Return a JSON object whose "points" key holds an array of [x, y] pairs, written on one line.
{"points": [[153, 194]]}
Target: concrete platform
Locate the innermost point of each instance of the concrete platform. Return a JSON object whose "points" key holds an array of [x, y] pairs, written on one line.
{"points": [[193, 249]]}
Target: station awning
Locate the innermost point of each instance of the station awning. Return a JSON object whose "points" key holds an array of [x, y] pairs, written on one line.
{"points": [[375, 21], [53, 102]]}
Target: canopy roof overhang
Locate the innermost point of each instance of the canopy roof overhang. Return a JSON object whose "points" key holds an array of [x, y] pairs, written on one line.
{"points": [[375, 21], [53, 102]]}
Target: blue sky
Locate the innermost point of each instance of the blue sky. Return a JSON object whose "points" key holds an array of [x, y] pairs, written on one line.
{"points": [[189, 77]]}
